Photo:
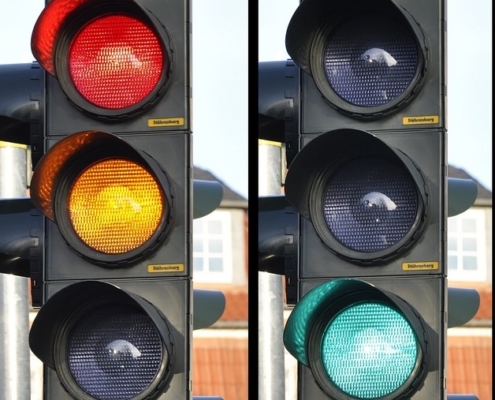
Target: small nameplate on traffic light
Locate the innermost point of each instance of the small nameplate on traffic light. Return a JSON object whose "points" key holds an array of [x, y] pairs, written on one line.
{"points": [[415, 266], [152, 268], [164, 122], [420, 120]]}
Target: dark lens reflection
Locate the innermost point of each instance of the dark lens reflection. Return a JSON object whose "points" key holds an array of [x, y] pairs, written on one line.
{"points": [[118, 356], [115, 352], [370, 59], [370, 204]]}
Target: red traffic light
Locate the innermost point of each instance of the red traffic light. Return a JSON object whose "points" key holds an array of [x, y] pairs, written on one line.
{"points": [[112, 58]]}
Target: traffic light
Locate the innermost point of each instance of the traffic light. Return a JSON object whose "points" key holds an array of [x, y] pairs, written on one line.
{"points": [[113, 61], [362, 105], [113, 178]]}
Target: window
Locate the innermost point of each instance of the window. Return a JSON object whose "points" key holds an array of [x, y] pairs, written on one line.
{"points": [[212, 247], [466, 249]]}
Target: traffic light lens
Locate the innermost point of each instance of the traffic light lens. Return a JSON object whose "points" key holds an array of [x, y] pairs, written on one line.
{"points": [[115, 206], [370, 59], [369, 350], [370, 204], [115, 352], [116, 61]]}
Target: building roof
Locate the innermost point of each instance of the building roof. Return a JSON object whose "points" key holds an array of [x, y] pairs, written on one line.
{"points": [[469, 365], [220, 367]]}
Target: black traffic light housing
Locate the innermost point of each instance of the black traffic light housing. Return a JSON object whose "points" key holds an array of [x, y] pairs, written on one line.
{"points": [[113, 178], [368, 202], [68, 42], [365, 135]]}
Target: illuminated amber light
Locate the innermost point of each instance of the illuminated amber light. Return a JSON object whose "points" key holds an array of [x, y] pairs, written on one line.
{"points": [[115, 206]]}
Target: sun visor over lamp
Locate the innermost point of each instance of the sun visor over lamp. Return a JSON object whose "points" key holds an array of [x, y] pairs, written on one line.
{"points": [[104, 342], [357, 190], [52, 19], [60, 306], [333, 148], [310, 17], [47, 27]]}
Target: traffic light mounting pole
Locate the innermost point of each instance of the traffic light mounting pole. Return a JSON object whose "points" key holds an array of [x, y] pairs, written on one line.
{"points": [[271, 375]]}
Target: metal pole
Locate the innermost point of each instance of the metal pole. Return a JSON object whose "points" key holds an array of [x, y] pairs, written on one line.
{"points": [[15, 382], [270, 299]]}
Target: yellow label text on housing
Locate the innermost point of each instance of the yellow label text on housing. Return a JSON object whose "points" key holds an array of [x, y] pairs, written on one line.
{"points": [[165, 122], [420, 120], [420, 266], [160, 268]]}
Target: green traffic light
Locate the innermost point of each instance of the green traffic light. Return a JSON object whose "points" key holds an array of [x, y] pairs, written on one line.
{"points": [[369, 350], [359, 341]]}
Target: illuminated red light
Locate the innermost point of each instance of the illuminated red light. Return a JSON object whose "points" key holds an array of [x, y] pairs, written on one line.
{"points": [[116, 61]]}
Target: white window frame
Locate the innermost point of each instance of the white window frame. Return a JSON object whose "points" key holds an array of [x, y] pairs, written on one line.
{"points": [[207, 276], [457, 234]]}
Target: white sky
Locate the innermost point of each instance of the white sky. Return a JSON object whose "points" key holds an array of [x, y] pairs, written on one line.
{"points": [[469, 69], [219, 79]]}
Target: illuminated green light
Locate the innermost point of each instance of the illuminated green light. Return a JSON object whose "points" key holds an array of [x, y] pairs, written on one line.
{"points": [[369, 350]]}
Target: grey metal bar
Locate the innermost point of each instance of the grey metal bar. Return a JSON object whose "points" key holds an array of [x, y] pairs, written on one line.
{"points": [[270, 300]]}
